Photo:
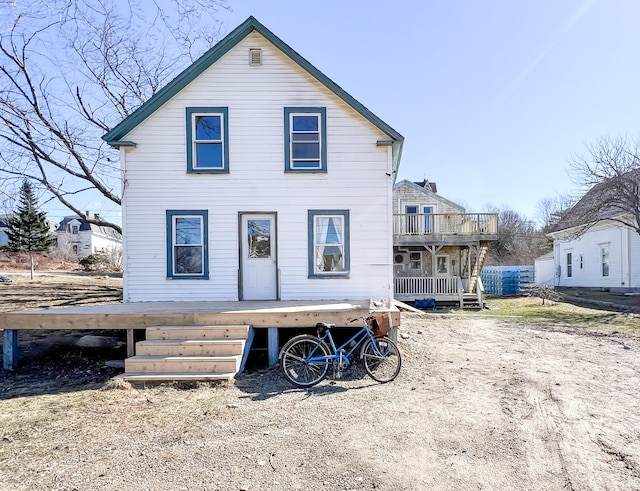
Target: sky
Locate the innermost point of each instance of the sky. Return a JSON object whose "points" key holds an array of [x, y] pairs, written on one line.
{"points": [[493, 97]]}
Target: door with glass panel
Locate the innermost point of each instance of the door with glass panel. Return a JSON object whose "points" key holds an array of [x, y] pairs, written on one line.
{"points": [[258, 257]]}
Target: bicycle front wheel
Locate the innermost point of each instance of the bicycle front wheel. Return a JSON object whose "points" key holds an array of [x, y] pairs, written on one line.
{"points": [[295, 361], [381, 359]]}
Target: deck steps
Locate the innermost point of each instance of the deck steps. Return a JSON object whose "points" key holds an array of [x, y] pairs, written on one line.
{"points": [[188, 353]]}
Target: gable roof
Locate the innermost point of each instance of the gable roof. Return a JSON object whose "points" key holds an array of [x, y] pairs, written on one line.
{"points": [[603, 201], [86, 226], [431, 186], [114, 137], [426, 192]]}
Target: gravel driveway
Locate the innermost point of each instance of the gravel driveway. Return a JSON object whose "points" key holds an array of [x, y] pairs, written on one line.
{"points": [[479, 404]]}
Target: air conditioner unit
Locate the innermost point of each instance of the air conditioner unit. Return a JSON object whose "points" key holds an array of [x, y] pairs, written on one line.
{"points": [[401, 258]]}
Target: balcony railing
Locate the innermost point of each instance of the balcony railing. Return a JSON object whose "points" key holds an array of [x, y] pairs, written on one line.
{"points": [[445, 223]]}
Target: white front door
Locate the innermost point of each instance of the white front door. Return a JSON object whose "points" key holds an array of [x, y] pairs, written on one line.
{"points": [[258, 257]]}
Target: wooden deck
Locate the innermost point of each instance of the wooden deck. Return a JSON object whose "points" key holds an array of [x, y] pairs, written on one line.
{"points": [[272, 315]]}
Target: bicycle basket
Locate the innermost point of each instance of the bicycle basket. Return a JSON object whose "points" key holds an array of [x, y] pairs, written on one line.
{"points": [[380, 324]]}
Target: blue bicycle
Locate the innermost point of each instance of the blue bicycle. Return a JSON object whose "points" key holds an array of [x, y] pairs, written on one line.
{"points": [[306, 359]]}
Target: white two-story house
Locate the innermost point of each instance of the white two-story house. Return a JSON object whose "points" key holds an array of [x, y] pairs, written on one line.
{"points": [[76, 234], [253, 176]]}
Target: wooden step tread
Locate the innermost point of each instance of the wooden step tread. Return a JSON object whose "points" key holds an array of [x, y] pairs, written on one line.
{"points": [[190, 347], [177, 377], [198, 332], [196, 358], [212, 327], [167, 342]]}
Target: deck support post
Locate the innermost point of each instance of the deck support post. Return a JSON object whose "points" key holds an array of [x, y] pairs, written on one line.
{"points": [[247, 348], [10, 349], [131, 344], [273, 342]]}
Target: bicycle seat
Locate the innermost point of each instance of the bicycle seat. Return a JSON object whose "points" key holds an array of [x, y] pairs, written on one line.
{"points": [[324, 325]]}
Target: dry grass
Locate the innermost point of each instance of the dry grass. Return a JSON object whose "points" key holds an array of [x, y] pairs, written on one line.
{"points": [[57, 290], [532, 311]]}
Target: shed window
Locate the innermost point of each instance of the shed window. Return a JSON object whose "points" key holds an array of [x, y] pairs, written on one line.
{"points": [[187, 244], [305, 139], [207, 140], [328, 243]]}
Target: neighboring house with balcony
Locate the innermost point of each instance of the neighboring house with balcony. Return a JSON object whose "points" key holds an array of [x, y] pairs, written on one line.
{"points": [[438, 249], [77, 235], [253, 176]]}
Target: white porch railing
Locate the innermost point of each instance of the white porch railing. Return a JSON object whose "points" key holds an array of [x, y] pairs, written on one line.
{"points": [[426, 285], [445, 223]]}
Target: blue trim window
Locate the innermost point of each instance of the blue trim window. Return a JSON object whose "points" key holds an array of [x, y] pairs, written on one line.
{"points": [[328, 243], [305, 146], [208, 140], [187, 244]]}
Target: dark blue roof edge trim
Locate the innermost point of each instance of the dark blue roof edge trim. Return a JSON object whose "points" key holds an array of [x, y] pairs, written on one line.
{"points": [[213, 55]]}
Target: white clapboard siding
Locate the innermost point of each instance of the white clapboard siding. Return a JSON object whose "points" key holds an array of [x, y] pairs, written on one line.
{"points": [[156, 180], [634, 255], [588, 246]]}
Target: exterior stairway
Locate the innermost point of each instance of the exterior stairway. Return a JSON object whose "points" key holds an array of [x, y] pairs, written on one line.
{"points": [[477, 267], [187, 353]]}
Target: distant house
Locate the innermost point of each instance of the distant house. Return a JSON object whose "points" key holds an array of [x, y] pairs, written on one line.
{"points": [[602, 253], [253, 176], [76, 234], [544, 270], [438, 248]]}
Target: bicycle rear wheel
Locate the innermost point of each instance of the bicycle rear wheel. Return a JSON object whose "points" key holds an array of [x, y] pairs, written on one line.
{"points": [[382, 359], [294, 356]]}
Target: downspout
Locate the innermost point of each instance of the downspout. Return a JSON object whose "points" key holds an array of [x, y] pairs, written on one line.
{"points": [[625, 272], [392, 177], [123, 215]]}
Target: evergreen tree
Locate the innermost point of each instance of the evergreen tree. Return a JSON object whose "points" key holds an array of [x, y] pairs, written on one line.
{"points": [[27, 229]]}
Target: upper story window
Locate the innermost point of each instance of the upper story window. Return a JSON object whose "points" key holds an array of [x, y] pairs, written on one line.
{"points": [[74, 229], [187, 244], [207, 140], [328, 243], [305, 148]]}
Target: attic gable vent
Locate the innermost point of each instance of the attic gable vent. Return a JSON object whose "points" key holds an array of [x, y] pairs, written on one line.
{"points": [[255, 57]]}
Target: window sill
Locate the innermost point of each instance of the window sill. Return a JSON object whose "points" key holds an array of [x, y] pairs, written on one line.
{"points": [[187, 277], [342, 276]]}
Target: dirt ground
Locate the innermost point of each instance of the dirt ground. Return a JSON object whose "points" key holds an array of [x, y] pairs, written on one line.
{"points": [[479, 404]]}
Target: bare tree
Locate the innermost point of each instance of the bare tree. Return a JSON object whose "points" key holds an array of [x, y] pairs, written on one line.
{"points": [[72, 69], [519, 242], [550, 210], [609, 172]]}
